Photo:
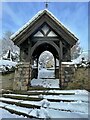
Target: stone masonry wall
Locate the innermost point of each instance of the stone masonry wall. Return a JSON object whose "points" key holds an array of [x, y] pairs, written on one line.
{"points": [[67, 72], [22, 76]]}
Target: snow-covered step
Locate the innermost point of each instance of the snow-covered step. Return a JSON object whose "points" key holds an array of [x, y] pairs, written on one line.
{"points": [[51, 113], [16, 109], [34, 97], [46, 92], [63, 106], [83, 98], [44, 112], [67, 98], [18, 103], [6, 114], [22, 97]]}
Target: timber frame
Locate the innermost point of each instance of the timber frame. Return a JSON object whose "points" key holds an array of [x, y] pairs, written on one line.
{"points": [[33, 40]]}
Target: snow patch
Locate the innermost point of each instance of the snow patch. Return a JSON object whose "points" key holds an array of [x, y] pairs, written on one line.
{"points": [[48, 83]]}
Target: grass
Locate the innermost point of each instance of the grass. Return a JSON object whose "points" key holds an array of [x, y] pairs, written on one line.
{"points": [[6, 81]]}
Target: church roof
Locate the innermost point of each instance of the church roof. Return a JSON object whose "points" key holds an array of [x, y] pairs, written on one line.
{"points": [[35, 18]]}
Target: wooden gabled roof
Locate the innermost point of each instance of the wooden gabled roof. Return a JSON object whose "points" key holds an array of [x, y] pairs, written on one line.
{"points": [[41, 17]]}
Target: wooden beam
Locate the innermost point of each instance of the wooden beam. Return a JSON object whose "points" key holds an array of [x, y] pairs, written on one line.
{"points": [[60, 31], [48, 42], [45, 39], [60, 50]]}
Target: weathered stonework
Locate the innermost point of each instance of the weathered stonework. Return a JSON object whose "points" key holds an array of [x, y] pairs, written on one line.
{"points": [[22, 76], [67, 72]]}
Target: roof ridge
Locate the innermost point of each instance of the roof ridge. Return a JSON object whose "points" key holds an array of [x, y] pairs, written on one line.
{"points": [[41, 12]]}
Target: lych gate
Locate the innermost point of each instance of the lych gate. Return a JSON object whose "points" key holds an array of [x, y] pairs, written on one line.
{"points": [[43, 32]]}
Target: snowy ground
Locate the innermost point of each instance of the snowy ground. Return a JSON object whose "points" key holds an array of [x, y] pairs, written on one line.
{"points": [[6, 114], [44, 73], [45, 108], [6, 63], [46, 78], [47, 83]]}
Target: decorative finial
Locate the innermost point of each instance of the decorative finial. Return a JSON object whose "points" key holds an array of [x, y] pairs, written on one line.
{"points": [[46, 5]]}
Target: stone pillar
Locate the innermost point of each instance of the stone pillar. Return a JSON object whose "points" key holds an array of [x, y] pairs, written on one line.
{"points": [[62, 75], [22, 76]]}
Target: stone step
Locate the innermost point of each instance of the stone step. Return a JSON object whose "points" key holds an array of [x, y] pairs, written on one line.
{"points": [[36, 113], [63, 106], [16, 109], [39, 92], [34, 98], [56, 98], [22, 97]]}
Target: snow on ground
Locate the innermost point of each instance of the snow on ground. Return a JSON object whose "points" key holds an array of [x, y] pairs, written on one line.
{"points": [[46, 79], [75, 109], [7, 62], [48, 83], [51, 113], [62, 91], [44, 73], [67, 97], [71, 106], [80, 95], [5, 114]]}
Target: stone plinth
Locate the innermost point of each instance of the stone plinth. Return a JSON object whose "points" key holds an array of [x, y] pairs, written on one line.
{"points": [[22, 76]]}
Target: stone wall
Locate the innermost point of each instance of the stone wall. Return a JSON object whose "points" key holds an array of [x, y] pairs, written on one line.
{"points": [[6, 81], [22, 76], [80, 79], [67, 72], [75, 78]]}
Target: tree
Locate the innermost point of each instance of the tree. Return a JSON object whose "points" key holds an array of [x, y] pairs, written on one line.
{"points": [[6, 44], [76, 51], [45, 57]]}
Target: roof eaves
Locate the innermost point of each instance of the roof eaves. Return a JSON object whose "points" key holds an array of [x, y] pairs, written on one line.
{"points": [[61, 25], [26, 25]]}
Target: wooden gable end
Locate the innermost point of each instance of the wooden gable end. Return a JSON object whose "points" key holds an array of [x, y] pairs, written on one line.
{"points": [[45, 17]]}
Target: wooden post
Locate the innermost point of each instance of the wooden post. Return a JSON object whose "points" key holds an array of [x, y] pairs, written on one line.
{"points": [[69, 54], [37, 66], [60, 60], [55, 66], [29, 60]]}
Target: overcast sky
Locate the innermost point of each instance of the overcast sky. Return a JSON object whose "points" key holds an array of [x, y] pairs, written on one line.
{"points": [[73, 15]]}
